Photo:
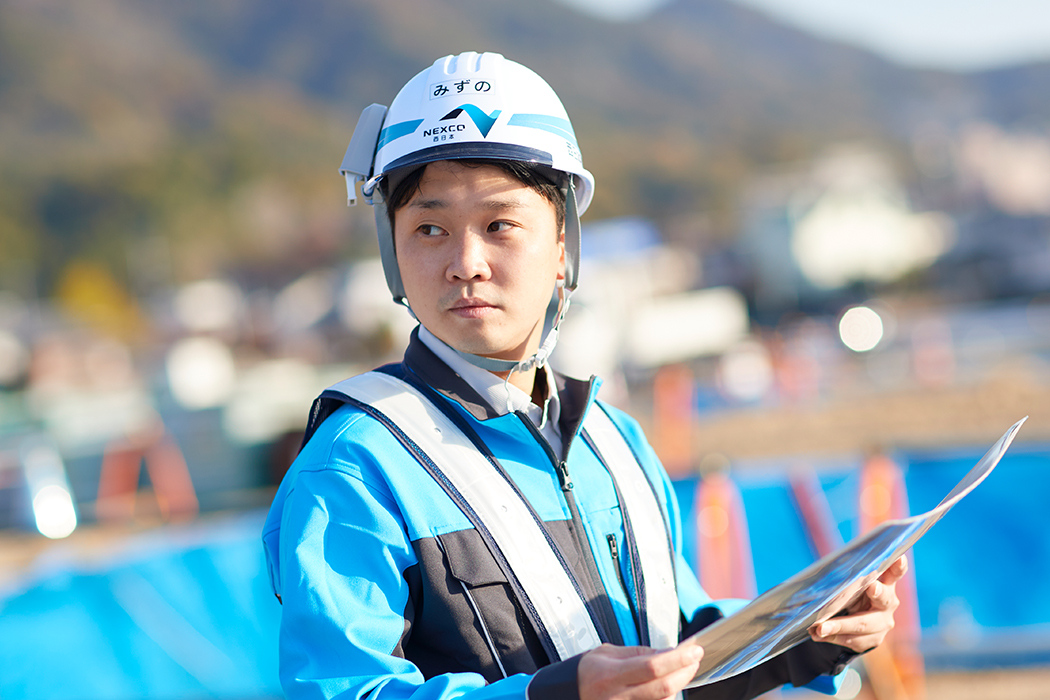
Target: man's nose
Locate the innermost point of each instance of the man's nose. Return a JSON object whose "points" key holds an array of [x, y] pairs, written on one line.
{"points": [[469, 259]]}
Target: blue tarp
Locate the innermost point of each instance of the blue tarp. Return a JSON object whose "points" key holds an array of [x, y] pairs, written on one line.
{"points": [[979, 572], [183, 612], [187, 611]]}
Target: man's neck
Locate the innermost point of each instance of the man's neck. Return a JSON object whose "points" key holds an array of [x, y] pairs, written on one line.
{"points": [[534, 384], [526, 381]]}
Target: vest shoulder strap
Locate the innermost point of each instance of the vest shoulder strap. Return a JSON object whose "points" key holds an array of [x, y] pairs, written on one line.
{"points": [[645, 521], [507, 524]]}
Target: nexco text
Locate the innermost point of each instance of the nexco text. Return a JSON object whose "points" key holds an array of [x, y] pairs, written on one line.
{"points": [[444, 129]]}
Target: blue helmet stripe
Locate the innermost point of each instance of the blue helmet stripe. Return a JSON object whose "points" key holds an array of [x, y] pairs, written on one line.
{"points": [[555, 125], [396, 131]]}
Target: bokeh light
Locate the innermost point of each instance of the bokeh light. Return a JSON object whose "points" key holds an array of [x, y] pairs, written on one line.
{"points": [[861, 329], [746, 372], [201, 372], [13, 358], [54, 513], [208, 305]]}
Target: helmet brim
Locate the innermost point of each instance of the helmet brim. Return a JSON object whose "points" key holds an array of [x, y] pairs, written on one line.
{"points": [[470, 150]]}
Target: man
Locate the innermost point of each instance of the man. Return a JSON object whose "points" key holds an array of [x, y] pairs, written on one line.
{"points": [[467, 523]]}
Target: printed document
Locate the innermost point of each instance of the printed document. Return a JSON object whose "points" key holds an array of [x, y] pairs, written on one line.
{"points": [[781, 617]]}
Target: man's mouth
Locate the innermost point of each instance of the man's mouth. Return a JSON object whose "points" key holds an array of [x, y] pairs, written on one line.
{"points": [[470, 307]]}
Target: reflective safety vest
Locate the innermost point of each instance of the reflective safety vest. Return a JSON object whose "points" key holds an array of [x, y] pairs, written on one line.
{"points": [[545, 585]]}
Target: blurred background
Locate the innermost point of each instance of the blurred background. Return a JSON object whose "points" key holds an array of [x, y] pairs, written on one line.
{"points": [[817, 269]]}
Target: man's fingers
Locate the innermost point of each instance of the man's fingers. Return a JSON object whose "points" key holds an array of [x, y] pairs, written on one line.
{"points": [[858, 632], [882, 597], [645, 669], [896, 571], [642, 664], [636, 673], [879, 595], [665, 686], [617, 652], [857, 642], [870, 618]]}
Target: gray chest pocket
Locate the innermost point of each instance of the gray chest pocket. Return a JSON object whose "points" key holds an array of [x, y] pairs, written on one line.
{"points": [[469, 560], [485, 609]]}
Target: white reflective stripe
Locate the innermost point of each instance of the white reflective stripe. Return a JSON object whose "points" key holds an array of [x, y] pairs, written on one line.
{"points": [[517, 535], [650, 528]]}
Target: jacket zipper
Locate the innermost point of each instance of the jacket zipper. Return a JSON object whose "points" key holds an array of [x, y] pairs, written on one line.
{"points": [[614, 550], [598, 612], [563, 476]]}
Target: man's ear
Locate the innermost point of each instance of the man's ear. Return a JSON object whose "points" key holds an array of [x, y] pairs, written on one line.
{"points": [[561, 257]]}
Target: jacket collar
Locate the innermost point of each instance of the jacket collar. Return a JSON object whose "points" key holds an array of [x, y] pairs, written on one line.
{"points": [[575, 394]]}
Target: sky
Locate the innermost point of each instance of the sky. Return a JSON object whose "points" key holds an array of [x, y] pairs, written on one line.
{"points": [[949, 34]]}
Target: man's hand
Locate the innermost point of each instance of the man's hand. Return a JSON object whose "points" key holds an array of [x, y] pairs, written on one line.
{"points": [[868, 621], [636, 673]]}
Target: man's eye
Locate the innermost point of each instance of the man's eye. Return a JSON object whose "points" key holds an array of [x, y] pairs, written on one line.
{"points": [[498, 226], [430, 230]]}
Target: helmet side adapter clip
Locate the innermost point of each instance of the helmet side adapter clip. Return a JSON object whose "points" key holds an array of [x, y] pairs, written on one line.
{"points": [[360, 154]]}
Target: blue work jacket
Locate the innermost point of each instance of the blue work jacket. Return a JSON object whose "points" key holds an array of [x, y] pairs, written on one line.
{"points": [[389, 592]]}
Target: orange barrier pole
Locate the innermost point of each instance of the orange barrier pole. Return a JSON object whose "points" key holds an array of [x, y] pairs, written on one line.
{"points": [[815, 511], [673, 415], [724, 563], [898, 665], [118, 480], [172, 485]]}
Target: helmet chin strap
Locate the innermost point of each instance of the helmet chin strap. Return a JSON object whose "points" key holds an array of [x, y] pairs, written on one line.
{"points": [[553, 318]]}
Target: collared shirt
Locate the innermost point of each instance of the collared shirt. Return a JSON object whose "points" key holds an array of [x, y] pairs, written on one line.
{"points": [[503, 396]]}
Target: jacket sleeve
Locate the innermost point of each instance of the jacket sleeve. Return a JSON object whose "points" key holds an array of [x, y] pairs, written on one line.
{"points": [[343, 554]]}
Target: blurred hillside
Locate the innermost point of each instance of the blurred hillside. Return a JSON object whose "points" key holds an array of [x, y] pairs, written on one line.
{"points": [[172, 141]]}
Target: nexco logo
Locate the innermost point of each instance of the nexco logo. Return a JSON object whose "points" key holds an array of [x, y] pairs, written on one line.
{"points": [[444, 129]]}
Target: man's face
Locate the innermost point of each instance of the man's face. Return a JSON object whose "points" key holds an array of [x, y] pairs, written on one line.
{"points": [[479, 255]]}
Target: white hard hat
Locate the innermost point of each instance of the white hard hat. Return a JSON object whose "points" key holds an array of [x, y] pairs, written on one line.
{"points": [[468, 106]]}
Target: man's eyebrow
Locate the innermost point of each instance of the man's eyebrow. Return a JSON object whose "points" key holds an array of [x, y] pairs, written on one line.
{"points": [[503, 204], [500, 204], [432, 203]]}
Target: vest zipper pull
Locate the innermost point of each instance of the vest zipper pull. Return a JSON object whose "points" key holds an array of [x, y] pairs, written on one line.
{"points": [[614, 550], [563, 476]]}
